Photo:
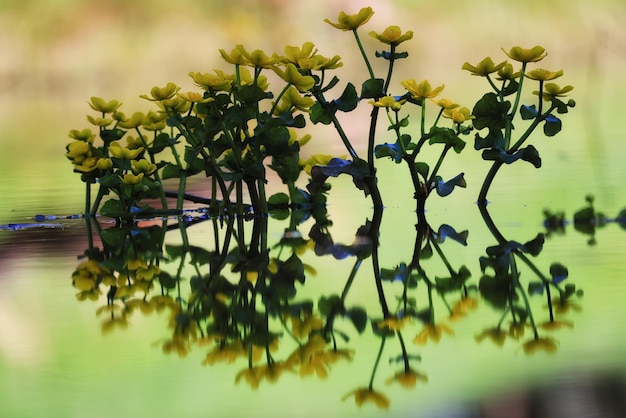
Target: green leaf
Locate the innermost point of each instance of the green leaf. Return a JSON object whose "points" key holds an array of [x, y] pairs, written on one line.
{"points": [[170, 171], [372, 88], [112, 208], [278, 199], [531, 155], [490, 112], [552, 126], [110, 181], [528, 112], [319, 114], [422, 169], [348, 100]]}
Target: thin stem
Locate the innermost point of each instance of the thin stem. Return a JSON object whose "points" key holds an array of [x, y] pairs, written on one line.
{"points": [[367, 62]]}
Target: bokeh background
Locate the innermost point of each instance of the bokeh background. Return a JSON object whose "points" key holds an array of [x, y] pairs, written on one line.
{"points": [[56, 54]]}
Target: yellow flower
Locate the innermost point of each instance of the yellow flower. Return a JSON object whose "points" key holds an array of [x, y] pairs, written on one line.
{"points": [[363, 395], [388, 102], [423, 90], [351, 22], [175, 105], [236, 56], [154, 121], [483, 68], [78, 150], [102, 122], [100, 105], [258, 58], [122, 152], [293, 54], [552, 91], [458, 115], [445, 103], [246, 79], [292, 76], [432, 332], [86, 135], [293, 99], [496, 335], [130, 178], [161, 93], [143, 166], [312, 161], [407, 378], [104, 164], [135, 121], [194, 97], [507, 73], [88, 165], [520, 54], [392, 35], [216, 82], [293, 138], [546, 344], [543, 75]]}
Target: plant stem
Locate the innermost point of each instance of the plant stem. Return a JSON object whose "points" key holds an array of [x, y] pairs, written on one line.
{"points": [[367, 62]]}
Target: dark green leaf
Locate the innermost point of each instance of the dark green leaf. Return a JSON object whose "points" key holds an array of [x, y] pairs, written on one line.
{"points": [[552, 126], [170, 171], [372, 88], [348, 100], [490, 112], [528, 112]]}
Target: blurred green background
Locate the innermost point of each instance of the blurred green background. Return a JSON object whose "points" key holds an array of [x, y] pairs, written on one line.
{"points": [[55, 54]]}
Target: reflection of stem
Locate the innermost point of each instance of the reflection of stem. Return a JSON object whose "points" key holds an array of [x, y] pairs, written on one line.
{"points": [[515, 275], [405, 356], [380, 352]]}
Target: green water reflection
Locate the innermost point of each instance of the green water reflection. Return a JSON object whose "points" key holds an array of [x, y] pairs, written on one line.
{"points": [[264, 307]]}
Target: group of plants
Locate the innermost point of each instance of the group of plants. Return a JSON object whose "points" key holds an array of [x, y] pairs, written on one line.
{"points": [[242, 297]]}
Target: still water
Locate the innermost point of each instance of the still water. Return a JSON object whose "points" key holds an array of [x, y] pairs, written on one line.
{"points": [[61, 354]]}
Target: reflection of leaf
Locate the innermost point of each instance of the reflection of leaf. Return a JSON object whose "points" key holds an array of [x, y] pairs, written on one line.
{"points": [[446, 231], [495, 291], [358, 316], [558, 272], [535, 288]]}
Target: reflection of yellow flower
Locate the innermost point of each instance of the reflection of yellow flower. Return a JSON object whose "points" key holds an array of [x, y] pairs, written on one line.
{"points": [[110, 324], [252, 375], [423, 90], [564, 306], [351, 22], [432, 332], [555, 324], [526, 55], [483, 68], [301, 328], [516, 330], [407, 378], [394, 323], [225, 353], [392, 35], [546, 344], [496, 335], [177, 344], [363, 395]]}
